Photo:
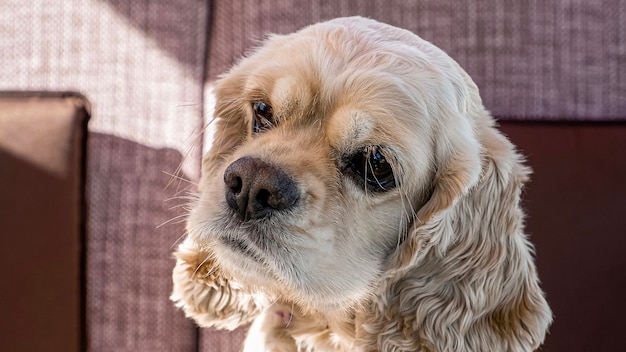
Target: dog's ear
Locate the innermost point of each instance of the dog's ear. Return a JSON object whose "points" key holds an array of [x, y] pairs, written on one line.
{"points": [[473, 242], [457, 169], [457, 165]]}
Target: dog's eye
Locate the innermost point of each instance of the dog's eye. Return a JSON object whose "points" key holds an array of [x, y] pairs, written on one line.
{"points": [[262, 120], [371, 166]]}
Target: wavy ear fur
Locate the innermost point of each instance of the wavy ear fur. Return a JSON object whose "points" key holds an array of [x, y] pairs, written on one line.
{"points": [[465, 279], [458, 166], [458, 163]]}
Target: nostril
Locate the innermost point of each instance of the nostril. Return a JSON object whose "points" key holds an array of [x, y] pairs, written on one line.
{"points": [[235, 184], [263, 198]]}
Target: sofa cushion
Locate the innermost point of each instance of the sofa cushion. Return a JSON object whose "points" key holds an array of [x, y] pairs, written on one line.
{"points": [[42, 165]]}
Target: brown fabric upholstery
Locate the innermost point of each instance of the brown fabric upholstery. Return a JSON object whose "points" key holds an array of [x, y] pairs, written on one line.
{"points": [[575, 205], [211, 340], [42, 160], [129, 254]]}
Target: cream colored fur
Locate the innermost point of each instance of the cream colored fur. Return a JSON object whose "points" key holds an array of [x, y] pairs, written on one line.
{"points": [[439, 263]]}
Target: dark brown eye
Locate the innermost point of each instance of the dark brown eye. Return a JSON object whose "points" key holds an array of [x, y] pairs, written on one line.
{"points": [[371, 166], [262, 119]]}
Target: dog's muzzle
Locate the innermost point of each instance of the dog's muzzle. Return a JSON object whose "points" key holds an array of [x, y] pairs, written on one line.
{"points": [[256, 189]]}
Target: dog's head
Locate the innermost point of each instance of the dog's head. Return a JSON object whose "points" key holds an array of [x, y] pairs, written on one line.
{"points": [[331, 144], [354, 170]]}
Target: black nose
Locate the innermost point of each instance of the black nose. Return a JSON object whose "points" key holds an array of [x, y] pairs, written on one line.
{"points": [[255, 188]]}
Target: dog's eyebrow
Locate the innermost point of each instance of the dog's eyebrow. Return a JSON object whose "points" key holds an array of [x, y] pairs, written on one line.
{"points": [[256, 94], [362, 126], [349, 129], [284, 88], [291, 95], [359, 130], [285, 94]]}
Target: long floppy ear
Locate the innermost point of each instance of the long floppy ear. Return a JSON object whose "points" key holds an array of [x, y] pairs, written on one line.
{"points": [[458, 169], [458, 165], [478, 247], [457, 162], [482, 293]]}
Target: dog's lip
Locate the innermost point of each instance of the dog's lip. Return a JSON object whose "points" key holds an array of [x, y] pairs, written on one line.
{"points": [[241, 246]]}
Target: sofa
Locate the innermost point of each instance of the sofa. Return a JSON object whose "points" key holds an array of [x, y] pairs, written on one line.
{"points": [[102, 108]]}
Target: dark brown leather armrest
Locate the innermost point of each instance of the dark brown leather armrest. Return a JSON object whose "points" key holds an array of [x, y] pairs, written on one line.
{"points": [[42, 169]]}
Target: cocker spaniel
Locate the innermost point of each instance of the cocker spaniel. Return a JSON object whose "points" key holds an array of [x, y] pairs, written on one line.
{"points": [[357, 197]]}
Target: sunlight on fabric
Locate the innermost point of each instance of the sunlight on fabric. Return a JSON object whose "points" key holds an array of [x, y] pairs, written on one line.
{"points": [[144, 86]]}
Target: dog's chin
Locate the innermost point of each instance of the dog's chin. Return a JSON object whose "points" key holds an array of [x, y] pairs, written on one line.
{"points": [[272, 272], [244, 261]]}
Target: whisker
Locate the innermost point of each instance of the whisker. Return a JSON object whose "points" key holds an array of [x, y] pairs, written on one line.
{"points": [[403, 229], [365, 165], [273, 302], [172, 220], [189, 199], [179, 239], [201, 264], [211, 271], [187, 105], [180, 178], [186, 207], [195, 143]]}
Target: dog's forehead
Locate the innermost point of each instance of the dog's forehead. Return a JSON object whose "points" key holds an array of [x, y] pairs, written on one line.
{"points": [[353, 106], [347, 118], [289, 93], [356, 96]]}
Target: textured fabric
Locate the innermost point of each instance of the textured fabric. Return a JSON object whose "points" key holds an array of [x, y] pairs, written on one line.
{"points": [[41, 231], [130, 264], [575, 217], [212, 340], [141, 65], [531, 59]]}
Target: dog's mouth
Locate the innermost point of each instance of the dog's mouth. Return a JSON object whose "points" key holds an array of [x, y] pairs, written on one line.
{"points": [[240, 246]]}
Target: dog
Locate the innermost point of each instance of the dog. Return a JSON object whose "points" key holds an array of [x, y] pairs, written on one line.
{"points": [[358, 197]]}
